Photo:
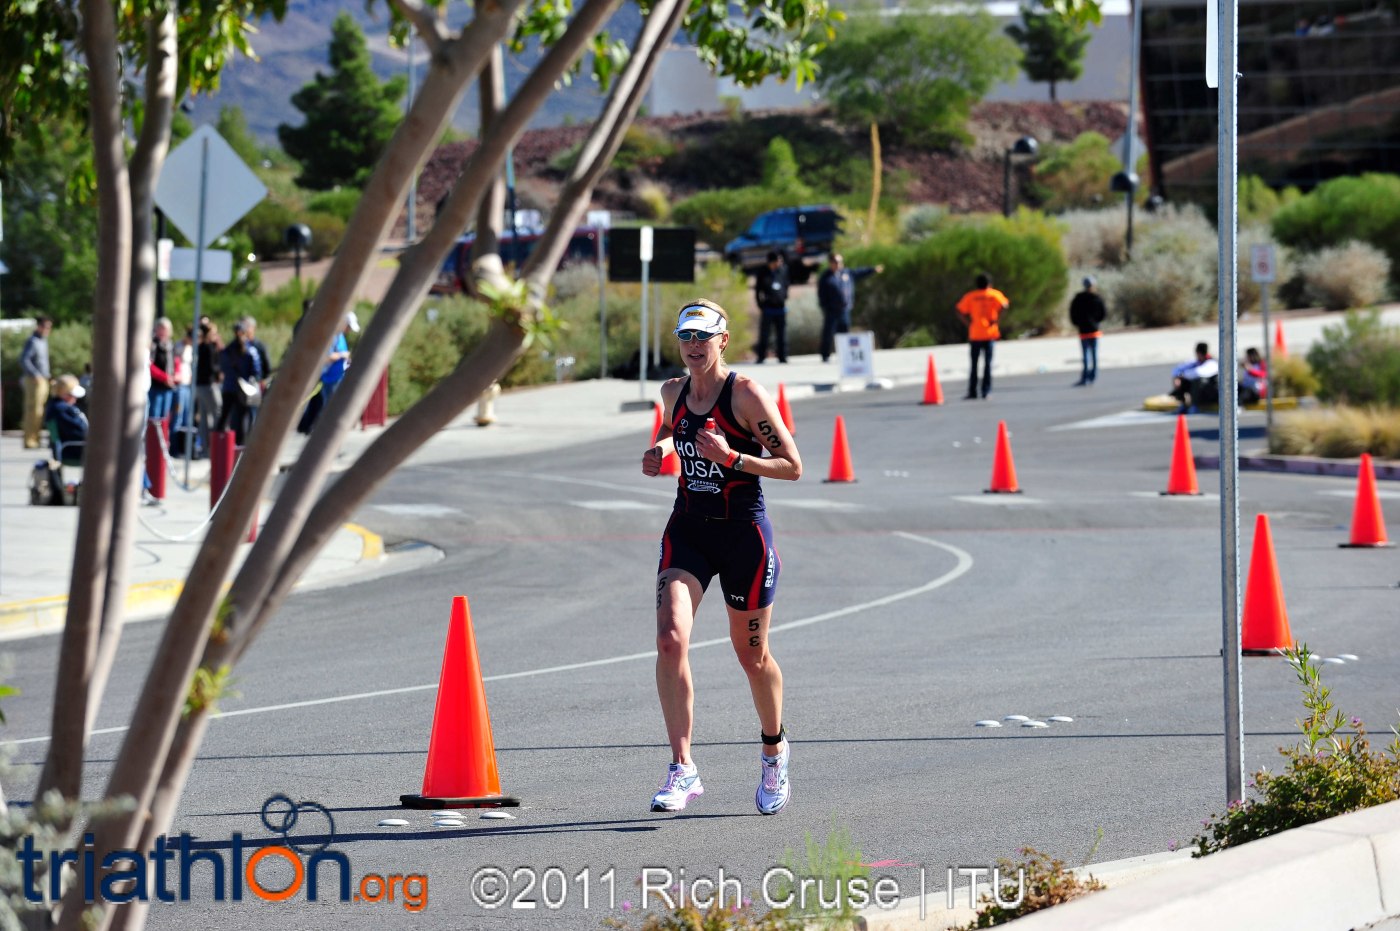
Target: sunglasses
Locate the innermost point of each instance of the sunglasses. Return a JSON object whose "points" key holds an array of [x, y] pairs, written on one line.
{"points": [[686, 336]]}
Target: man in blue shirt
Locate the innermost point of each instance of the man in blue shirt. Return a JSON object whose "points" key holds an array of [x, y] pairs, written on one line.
{"points": [[836, 293], [338, 359]]}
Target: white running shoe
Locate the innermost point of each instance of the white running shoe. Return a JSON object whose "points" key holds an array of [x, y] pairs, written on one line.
{"points": [[773, 788], [678, 789]]}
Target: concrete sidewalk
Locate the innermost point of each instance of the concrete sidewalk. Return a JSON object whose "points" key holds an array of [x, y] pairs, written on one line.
{"points": [[36, 543]]}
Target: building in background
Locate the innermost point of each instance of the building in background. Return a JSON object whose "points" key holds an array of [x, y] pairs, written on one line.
{"points": [[1319, 95]]}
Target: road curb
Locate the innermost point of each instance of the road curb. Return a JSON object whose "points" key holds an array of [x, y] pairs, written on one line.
{"points": [[1306, 465], [1340, 873], [143, 599]]}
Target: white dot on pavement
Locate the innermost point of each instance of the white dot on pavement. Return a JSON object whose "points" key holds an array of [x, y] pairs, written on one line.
{"points": [[1060, 718], [1034, 724], [497, 816], [448, 823], [1015, 717], [393, 823], [987, 724], [1349, 657], [1335, 661]]}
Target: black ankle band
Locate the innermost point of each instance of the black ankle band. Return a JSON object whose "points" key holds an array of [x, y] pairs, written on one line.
{"points": [[773, 740]]}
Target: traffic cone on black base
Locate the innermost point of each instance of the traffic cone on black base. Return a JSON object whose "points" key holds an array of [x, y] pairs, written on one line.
{"points": [[841, 468], [461, 770], [1367, 522], [1264, 625], [1003, 466], [933, 391], [1182, 480]]}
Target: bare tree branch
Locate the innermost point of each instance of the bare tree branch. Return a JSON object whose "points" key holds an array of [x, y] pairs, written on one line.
{"points": [[430, 29]]}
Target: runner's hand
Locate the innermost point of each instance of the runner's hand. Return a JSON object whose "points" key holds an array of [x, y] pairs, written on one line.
{"points": [[712, 445], [651, 461]]}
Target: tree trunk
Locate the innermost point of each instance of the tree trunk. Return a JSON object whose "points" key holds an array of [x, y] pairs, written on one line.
{"points": [[63, 766], [146, 162]]}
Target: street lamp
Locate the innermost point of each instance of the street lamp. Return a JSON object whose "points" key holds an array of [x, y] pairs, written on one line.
{"points": [[1126, 182], [298, 236], [1025, 146]]}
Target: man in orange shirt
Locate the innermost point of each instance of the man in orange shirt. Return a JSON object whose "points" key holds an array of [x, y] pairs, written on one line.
{"points": [[981, 308]]}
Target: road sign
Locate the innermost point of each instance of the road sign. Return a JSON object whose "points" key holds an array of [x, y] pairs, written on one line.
{"points": [[599, 219], [178, 264], [1261, 263], [233, 189], [1212, 43], [672, 260], [857, 352]]}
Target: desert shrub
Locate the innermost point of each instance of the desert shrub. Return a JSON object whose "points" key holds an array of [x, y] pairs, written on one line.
{"points": [[1330, 773], [338, 203], [1358, 362], [1161, 290], [642, 148], [1094, 238], [1259, 203], [1364, 208], [922, 222], [1048, 881], [1346, 276], [1292, 377], [1339, 432], [327, 230], [923, 280], [1076, 175]]}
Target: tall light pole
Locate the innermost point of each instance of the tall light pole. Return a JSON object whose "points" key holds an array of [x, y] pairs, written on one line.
{"points": [[1025, 146]]}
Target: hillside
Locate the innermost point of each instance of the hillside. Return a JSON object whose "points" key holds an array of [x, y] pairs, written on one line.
{"points": [[715, 150]]}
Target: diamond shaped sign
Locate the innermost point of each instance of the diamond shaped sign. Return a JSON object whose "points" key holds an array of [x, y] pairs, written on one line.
{"points": [[231, 189]]}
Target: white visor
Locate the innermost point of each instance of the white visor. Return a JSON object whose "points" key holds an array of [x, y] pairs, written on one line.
{"points": [[700, 317]]}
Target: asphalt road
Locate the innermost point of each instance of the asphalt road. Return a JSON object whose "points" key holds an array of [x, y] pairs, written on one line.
{"points": [[916, 606]]}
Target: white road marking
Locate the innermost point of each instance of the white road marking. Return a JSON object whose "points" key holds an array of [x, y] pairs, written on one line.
{"points": [[815, 504], [1125, 419], [1154, 495], [1003, 499], [668, 492], [618, 506], [1351, 493], [964, 565], [417, 510]]}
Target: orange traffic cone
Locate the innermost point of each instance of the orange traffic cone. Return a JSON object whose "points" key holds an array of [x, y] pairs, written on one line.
{"points": [[461, 770], [841, 469], [671, 465], [1264, 628], [1280, 344], [1367, 524], [1182, 480], [785, 410], [1003, 466], [933, 391]]}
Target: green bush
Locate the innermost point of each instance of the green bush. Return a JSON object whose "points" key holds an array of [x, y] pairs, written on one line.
{"points": [[338, 203], [1365, 208], [1359, 361], [719, 216], [1345, 277], [642, 148], [327, 230], [266, 224], [1328, 774], [1076, 174], [1259, 203], [1292, 377], [1048, 881], [924, 280]]}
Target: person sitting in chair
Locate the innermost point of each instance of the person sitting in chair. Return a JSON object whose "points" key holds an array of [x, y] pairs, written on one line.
{"points": [[1195, 382], [68, 426]]}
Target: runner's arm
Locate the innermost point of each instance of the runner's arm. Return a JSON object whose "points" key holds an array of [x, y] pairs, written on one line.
{"points": [[759, 414]]}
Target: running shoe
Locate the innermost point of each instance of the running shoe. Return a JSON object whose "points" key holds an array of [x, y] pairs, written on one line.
{"points": [[773, 788], [680, 786]]}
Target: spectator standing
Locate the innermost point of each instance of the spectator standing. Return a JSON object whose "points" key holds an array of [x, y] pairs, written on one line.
{"points": [[836, 293], [338, 360], [182, 412], [242, 368], [208, 397], [250, 330], [34, 378], [771, 291], [981, 308], [1087, 312], [161, 395], [70, 424]]}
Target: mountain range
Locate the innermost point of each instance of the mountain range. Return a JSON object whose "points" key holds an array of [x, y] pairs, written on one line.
{"points": [[290, 52]]}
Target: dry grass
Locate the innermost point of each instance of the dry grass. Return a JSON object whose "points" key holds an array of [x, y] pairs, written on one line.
{"points": [[1338, 433], [1292, 377]]}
